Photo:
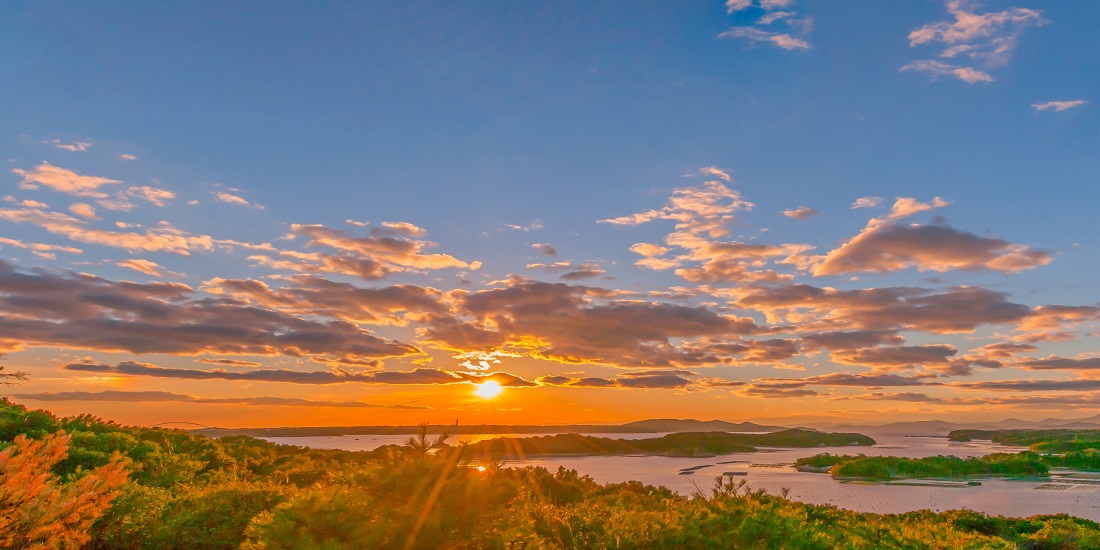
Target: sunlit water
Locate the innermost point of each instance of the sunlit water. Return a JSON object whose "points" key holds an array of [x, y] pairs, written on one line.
{"points": [[771, 470]]}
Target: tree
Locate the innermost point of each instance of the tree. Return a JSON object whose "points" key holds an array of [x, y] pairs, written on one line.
{"points": [[9, 378], [39, 512]]}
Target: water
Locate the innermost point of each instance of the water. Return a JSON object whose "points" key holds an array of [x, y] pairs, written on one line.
{"points": [[771, 470]]}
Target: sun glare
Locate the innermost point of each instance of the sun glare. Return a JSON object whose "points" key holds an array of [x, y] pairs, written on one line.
{"points": [[488, 389]]}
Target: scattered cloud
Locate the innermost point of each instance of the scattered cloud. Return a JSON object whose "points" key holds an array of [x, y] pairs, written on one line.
{"points": [[147, 267], [1058, 106], [76, 146], [867, 202], [64, 181], [127, 156], [800, 213], [987, 39], [776, 25], [230, 198], [548, 249], [83, 210]]}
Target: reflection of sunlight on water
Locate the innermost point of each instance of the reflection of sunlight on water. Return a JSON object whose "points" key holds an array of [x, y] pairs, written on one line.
{"points": [[772, 472]]}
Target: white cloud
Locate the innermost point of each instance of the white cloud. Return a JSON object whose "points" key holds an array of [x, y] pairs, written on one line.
{"points": [[753, 34], [939, 68], [800, 213], [775, 12], [64, 181], [1058, 106], [127, 156]]}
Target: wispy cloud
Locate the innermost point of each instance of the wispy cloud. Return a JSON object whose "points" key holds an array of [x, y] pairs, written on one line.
{"points": [[776, 25], [800, 213], [230, 198], [987, 39], [1058, 106], [76, 146]]}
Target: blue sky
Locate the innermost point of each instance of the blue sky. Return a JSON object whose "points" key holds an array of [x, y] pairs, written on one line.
{"points": [[491, 128]]}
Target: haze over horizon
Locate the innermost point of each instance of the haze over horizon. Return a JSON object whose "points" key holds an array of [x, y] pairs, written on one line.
{"points": [[258, 215]]}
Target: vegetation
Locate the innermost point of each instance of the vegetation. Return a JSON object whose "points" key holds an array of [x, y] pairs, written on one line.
{"points": [[886, 468], [189, 491], [1074, 449], [693, 444]]}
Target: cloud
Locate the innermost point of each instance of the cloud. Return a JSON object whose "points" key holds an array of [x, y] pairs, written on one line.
{"points": [[571, 271], [845, 340], [169, 397], [83, 210], [939, 68], [1055, 362], [316, 296], [64, 181], [988, 39], [867, 202], [42, 309], [788, 20], [40, 247], [671, 379], [76, 146], [715, 172], [1079, 384], [147, 267], [577, 324], [229, 198], [336, 376], [896, 355], [801, 213], [230, 362], [753, 34], [548, 249], [161, 239], [394, 247], [159, 197], [884, 246], [127, 156], [958, 309], [1058, 106]]}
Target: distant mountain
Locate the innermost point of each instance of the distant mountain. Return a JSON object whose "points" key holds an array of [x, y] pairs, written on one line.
{"points": [[687, 425], [942, 427], [641, 426]]}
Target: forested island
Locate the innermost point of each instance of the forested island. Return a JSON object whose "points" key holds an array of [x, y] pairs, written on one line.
{"points": [[888, 468], [692, 444], [82, 482], [1074, 449]]}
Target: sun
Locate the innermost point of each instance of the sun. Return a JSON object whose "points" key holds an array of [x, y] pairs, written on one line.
{"points": [[488, 389]]}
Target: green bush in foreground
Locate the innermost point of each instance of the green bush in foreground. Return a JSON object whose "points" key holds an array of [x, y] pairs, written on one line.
{"points": [[188, 491]]}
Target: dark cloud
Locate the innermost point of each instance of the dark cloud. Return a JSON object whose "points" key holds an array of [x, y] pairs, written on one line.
{"points": [[1059, 363], [86, 312], [896, 356], [959, 309], [844, 340], [162, 396], [416, 376]]}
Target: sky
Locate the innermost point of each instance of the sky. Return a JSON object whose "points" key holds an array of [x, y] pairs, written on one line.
{"points": [[273, 214]]}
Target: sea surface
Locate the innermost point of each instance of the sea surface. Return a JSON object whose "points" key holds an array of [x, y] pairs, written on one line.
{"points": [[1064, 492]]}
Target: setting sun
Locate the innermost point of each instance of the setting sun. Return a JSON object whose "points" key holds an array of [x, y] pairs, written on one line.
{"points": [[488, 389]]}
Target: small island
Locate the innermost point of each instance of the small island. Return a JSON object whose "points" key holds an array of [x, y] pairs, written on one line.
{"points": [[892, 468], [689, 444]]}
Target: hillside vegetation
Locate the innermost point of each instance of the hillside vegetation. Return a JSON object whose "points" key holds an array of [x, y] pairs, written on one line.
{"points": [[100, 485]]}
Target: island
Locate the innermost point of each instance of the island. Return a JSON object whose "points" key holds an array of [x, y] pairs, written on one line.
{"points": [[688, 444]]}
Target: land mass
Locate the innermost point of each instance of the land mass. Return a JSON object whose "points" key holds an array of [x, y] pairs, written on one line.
{"points": [[690, 444], [660, 425]]}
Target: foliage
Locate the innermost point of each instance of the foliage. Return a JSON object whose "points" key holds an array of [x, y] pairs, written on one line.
{"points": [[699, 444], [885, 468], [37, 510], [190, 491]]}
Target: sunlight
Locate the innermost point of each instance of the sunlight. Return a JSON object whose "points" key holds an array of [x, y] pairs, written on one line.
{"points": [[488, 389]]}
